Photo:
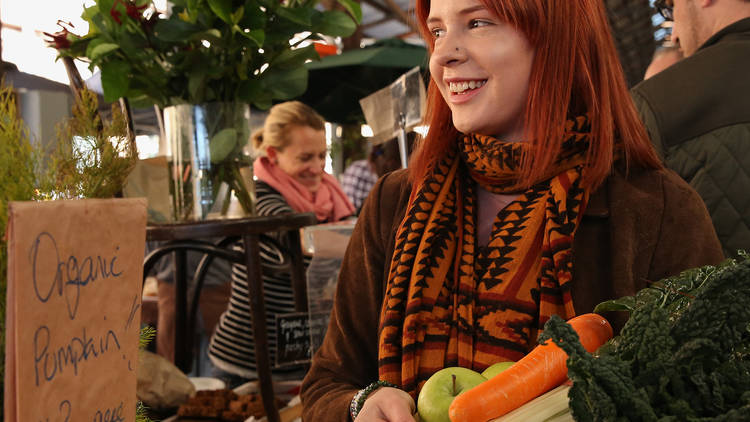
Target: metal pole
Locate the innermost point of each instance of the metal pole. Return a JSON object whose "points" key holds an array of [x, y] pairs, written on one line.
{"points": [[402, 147]]}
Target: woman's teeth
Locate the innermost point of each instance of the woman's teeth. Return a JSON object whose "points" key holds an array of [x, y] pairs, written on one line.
{"points": [[459, 87]]}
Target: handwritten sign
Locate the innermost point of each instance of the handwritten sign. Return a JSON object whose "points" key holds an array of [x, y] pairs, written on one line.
{"points": [[74, 295], [293, 332]]}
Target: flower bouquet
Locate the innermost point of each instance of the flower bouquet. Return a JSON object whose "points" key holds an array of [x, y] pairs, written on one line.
{"points": [[211, 59]]}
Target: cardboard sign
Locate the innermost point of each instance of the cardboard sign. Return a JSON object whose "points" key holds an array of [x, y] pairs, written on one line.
{"points": [[75, 272], [406, 97], [293, 335]]}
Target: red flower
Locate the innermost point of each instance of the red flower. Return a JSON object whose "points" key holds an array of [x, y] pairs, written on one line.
{"points": [[60, 40], [115, 14], [135, 12], [131, 9]]}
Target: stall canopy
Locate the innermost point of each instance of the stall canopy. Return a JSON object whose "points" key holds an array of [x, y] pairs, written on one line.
{"points": [[337, 83]]}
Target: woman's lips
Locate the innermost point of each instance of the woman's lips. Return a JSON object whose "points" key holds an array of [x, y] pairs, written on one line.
{"points": [[463, 89]]}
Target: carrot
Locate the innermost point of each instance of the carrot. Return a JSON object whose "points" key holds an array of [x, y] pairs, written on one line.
{"points": [[539, 371]]}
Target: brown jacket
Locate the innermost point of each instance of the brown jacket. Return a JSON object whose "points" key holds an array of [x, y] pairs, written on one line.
{"points": [[635, 229]]}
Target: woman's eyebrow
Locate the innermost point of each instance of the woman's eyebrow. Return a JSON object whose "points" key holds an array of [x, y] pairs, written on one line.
{"points": [[471, 9], [466, 11]]}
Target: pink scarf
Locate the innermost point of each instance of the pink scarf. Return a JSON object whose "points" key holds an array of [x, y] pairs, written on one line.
{"points": [[329, 202]]}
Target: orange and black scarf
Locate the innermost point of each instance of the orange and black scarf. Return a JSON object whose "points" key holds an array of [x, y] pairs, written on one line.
{"points": [[450, 302]]}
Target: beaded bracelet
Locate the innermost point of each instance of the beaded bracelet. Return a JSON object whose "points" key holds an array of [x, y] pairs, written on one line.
{"points": [[359, 399]]}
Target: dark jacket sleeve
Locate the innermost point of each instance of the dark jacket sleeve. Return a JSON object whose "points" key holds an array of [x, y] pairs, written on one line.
{"points": [[644, 225], [687, 238], [649, 119], [347, 358]]}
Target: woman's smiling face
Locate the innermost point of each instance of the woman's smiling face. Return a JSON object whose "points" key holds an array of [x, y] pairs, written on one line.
{"points": [[481, 66], [304, 158]]}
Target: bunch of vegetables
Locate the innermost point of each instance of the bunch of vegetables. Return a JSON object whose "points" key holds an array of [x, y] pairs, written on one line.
{"points": [[682, 355], [540, 370]]}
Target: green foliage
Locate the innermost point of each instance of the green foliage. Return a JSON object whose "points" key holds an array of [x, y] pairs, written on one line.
{"points": [[141, 413], [17, 163], [205, 50], [147, 334], [682, 355], [98, 164]]}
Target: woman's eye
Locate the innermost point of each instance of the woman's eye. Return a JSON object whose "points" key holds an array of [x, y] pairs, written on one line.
{"points": [[476, 23], [437, 32]]}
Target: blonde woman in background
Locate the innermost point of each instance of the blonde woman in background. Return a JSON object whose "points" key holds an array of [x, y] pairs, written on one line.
{"points": [[290, 178]]}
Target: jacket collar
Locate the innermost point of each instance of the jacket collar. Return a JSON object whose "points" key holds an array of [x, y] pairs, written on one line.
{"points": [[739, 27]]}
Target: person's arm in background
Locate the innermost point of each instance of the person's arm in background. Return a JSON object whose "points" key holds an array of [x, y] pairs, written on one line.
{"points": [[270, 202], [348, 358], [649, 121]]}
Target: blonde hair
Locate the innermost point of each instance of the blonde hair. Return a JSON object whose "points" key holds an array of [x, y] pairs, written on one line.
{"points": [[281, 118]]}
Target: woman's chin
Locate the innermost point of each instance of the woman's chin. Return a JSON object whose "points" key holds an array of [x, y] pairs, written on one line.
{"points": [[312, 186]]}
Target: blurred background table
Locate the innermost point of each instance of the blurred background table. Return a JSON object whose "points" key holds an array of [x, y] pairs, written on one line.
{"points": [[182, 237]]}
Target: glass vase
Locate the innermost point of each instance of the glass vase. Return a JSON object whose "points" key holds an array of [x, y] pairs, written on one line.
{"points": [[211, 177]]}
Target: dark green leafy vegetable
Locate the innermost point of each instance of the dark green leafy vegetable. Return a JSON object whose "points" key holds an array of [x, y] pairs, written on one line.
{"points": [[682, 355]]}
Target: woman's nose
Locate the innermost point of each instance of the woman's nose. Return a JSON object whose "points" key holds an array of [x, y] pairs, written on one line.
{"points": [[448, 51], [319, 165]]}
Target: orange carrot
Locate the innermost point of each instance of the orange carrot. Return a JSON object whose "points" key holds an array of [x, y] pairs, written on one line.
{"points": [[539, 371]]}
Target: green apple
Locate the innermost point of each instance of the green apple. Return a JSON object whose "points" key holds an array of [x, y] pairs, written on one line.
{"points": [[496, 368], [441, 388]]}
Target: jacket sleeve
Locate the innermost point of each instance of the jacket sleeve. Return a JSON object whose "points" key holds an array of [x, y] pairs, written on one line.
{"points": [[347, 359], [649, 121], [687, 238]]}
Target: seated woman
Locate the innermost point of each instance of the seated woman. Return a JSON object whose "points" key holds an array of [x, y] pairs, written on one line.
{"points": [[535, 192], [290, 178]]}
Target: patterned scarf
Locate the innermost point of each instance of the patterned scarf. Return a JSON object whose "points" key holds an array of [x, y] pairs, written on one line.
{"points": [[451, 303]]}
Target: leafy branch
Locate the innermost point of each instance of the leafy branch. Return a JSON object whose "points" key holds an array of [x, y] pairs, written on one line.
{"points": [[91, 159]]}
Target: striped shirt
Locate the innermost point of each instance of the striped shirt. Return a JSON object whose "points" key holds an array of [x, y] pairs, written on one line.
{"points": [[232, 346]]}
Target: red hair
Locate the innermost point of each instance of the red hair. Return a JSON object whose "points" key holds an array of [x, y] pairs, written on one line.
{"points": [[576, 70]]}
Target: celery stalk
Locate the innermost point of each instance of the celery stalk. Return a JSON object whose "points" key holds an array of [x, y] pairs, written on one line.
{"points": [[550, 406]]}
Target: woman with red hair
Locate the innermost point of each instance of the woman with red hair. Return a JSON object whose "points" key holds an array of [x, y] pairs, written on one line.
{"points": [[535, 192]]}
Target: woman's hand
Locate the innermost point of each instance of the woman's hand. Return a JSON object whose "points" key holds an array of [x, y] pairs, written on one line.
{"points": [[388, 404]]}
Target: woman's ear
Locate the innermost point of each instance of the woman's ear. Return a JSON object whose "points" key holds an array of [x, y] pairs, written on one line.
{"points": [[271, 152]]}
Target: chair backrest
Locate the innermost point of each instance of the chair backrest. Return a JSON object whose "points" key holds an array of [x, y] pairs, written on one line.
{"points": [[275, 258]]}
